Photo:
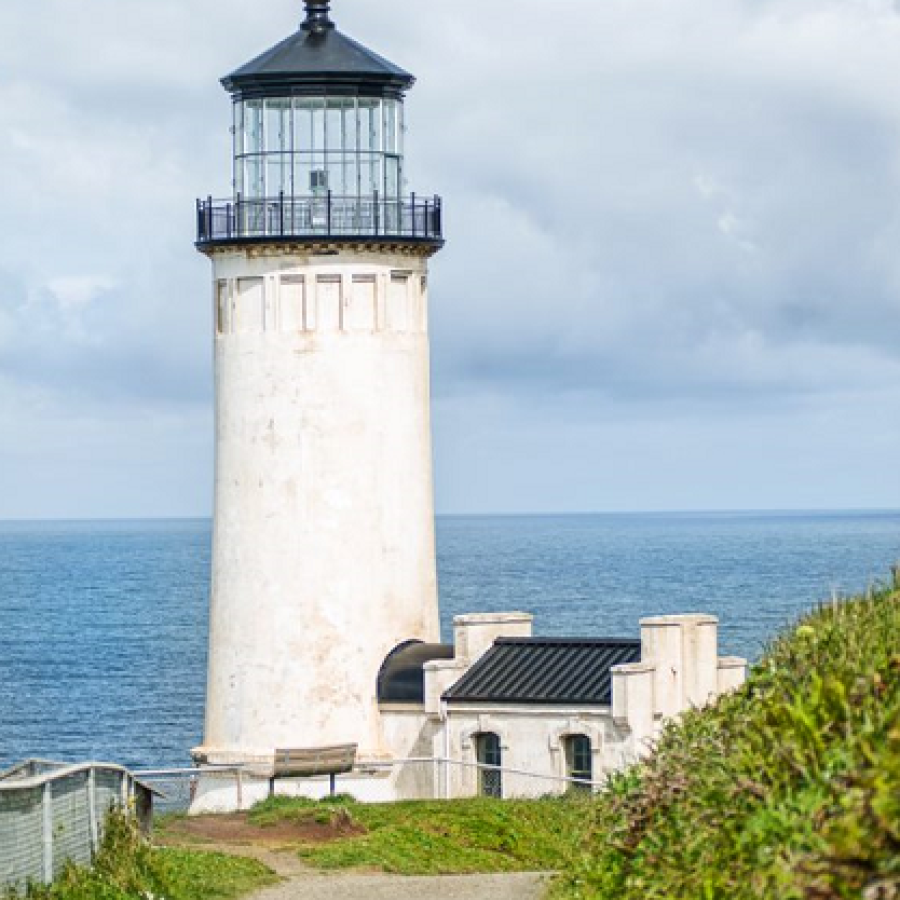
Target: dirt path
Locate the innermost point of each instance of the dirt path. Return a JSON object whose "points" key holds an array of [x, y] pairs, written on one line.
{"points": [[387, 887], [233, 835]]}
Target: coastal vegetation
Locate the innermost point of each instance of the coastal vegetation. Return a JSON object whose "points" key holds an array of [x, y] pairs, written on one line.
{"points": [[128, 867], [788, 789], [455, 837]]}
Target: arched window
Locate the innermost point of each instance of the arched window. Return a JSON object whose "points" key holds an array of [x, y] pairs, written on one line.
{"points": [[490, 753], [579, 761]]}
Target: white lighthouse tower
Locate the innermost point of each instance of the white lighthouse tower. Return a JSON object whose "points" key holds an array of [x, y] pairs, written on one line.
{"points": [[323, 543]]}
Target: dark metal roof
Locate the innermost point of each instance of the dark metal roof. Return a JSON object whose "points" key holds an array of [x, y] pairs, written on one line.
{"points": [[402, 676], [545, 670], [318, 59]]}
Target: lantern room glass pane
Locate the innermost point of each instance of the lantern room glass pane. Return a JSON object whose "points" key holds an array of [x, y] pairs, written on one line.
{"points": [[278, 175], [303, 125], [351, 177], [370, 173], [318, 125], [334, 172], [302, 170], [238, 129], [391, 127], [254, 181], [334, 125], [305, 146], [351, 125], [278, 126], [370, 124], [392, 176], [253, 126]]}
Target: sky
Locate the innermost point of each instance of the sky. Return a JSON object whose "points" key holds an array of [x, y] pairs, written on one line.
{"points": [[671, 279]]}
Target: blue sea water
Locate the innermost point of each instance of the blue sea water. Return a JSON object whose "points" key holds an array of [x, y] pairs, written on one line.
{"points": [[103, 624]]}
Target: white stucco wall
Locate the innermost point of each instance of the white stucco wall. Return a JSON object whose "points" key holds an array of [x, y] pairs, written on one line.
{"points": [[323, 543], [679, 669]]}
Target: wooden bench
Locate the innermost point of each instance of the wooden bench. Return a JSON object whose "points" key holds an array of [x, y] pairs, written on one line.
{"points": [[313, 763]]}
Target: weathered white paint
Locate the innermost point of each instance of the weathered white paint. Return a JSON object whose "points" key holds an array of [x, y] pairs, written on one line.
{"points": [[684, 653], [474, 634], [323, 541]]}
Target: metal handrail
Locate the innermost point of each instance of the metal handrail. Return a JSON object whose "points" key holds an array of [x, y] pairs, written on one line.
{"points": [[330, 216], [11, 782], [485, 767]]}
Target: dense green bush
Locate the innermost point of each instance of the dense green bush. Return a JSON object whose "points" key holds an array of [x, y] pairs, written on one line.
{"points": [[129, 868], [789, 788]]}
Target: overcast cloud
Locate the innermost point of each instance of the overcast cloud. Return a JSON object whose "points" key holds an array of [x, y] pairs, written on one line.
{"points": [[672, 277]]}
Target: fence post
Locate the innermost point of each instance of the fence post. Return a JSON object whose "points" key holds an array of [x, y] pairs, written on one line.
{"points": [[47, 829], [92, 812], [240, 789]]}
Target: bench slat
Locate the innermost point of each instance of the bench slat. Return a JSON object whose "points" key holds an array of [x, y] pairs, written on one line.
{"points": [[296, 763]]}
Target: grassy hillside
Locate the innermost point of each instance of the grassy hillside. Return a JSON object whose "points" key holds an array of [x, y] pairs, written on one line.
{"points": [[128, 868], [788, 789], [455, 837]]}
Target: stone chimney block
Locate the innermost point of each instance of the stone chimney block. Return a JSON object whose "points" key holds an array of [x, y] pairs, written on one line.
{"points": [[684, 652], [475, 634]]}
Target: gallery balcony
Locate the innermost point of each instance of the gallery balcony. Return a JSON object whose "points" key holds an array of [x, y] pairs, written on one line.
{"points": [[329, 218]]}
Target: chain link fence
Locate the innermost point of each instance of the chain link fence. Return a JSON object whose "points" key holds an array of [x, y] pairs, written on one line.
{"points": [[51, 814]]}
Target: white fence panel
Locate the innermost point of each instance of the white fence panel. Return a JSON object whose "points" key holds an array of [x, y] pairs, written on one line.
{"points": [[52, 814]]}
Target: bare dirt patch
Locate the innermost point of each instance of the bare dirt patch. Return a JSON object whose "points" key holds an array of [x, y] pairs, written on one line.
{"points": [[238, 830]]}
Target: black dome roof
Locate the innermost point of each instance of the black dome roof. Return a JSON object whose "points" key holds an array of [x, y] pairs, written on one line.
{"points": [[402, 675], [318, 59]]}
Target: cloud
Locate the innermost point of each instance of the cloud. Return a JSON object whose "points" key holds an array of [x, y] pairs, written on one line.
{"points": [[650, 206], [708, 186]]}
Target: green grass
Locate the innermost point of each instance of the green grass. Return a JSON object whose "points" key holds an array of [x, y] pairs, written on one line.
{"points": [[440, 837], [129, 868], [788, 789]]}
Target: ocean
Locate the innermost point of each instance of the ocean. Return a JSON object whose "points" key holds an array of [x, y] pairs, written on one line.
{"points": [[103, 625]]}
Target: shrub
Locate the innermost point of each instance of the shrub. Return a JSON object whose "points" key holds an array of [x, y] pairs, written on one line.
{"points": [[789, 788]]}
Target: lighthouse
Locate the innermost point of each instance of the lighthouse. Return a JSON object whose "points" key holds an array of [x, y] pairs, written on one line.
{"points": [[323, 558]]}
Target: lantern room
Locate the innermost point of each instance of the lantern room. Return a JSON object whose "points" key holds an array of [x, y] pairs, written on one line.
{"points": [[318, 143]]}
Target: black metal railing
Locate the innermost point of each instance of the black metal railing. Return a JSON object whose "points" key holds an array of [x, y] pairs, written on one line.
{"points": [[306, 218]]}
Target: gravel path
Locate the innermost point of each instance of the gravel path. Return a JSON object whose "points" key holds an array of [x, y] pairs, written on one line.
{"points": [[385, 887]]}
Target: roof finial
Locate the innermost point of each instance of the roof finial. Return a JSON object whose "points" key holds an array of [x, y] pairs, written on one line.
{"points": [[317, 20]]}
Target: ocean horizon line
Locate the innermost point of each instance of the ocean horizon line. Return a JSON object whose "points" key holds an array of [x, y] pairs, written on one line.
{"points": [[785, 512]]}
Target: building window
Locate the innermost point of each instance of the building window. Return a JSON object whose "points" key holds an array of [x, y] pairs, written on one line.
{"points": [[490, 753], [579, 761]]}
